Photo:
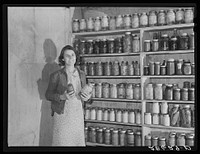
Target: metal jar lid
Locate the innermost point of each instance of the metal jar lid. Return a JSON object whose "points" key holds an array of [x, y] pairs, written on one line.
{"points": [[127, 33], [171, 60], [148, 137], [173, 38], [162, 138], [115, 131], [184, 89], [75, 19], [184, 34], [148, 41], [155, 137], [122, 131], [186, 106], [155, 40], [164, 35]]}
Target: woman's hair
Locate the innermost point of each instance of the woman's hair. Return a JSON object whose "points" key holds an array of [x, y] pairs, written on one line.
{"points": [[61, 57]]}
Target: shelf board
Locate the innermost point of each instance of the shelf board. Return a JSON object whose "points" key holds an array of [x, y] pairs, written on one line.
{"points": [[168, 127], [98, 144], [169, 76], [169, 52], [114, 123], [113, 77], [116, 100], [172, 101], [110, 54]]}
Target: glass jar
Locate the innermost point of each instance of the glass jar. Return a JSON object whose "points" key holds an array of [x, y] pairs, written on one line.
{"points": [[164, 42], [118, 115], [105, 90], [184, 94], [138, 139], [184, 42], [192, 68], [170, 17], [125, 116], [178, 67], [152, 18], [128, 42], [164, 108], [105, 114], [137, 116], [90, 24], [173, 44], [75, 26], [112, 115], [147, 118], [100, 136], [161, 18], [149, 91], [190, 139], [155, 107], [157, 68], [121, 91], [155, 45], [166, 120], [83, 26], [107, 137], [162, 141], [155, 119], [86, 134], [175, 116], [129, 91], [188, 15], [118, 45], [107, 69], [176, 94], [103, 46], [151, 68], [93, 113], [193, 85], [135, 20], [131, 70], [97, 24], [180, 141], [119, 22], [147, 141], [113, 90], [147, 45], [143, 19], [87, 113], [131, 116], [130, 137], [96, 46], [186, 116], [105, 23], [85, 68], [146, 70], [124, 68], [186, 68], [136, 44], [122, 138], [89, 47], [115, 68], [172, 139], [82, 47], [186, 84], [163, 70], [92, 134], [111, 45], [171, 67], [127, 21], [191, 94], [99, 68], [98, 90], [99, 114], [115, 136], [112, 23], [191, 41], [137, 91], [179, 16], [169, 92], [154, 141], [158, 93], [91, 69], [137, 68]]}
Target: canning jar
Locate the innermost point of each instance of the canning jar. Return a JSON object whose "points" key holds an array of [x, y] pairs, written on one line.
{"points": [[192, 68], [118, 45], [83, 26], [136, 44], [85, 68], [75, 26], [91, 69], [99, 114], [111, 45], [131, 70], [115, 136], [112, 115], [124, 68], [184, 94], [121, 91], [86, 134], [98, 90], [151, 68], [127, 21], [93, 113], [90, 133], [135, 20], [107, 68], [103, 46], [105, 90], [129, 91], [186, 68], [157, 68], [158, 93], [136, 68], [147, 118], [143, 19], [180, 141], [164, 108], [99, 136], [170, 17], [138, 139], [188, 15], [89, 47], [186, 117], [166, 120], [147, 45], [112, 23], [191, 41], [179, 16], [104, 23], [130, 137], [146, 70], [115, 68], [163, 70], [113, 90], [172, 139], [122, 138], [152, 18], [137, 116], [178, 67], [149, 91], [119, 116], [127, 42], [131, 116], [162, 141], [161, 18], [171, 67], [164, 42], [137, 91], [125, 116], [82, 47], [186, 84], [119, 22], [99, 68], [155, 119], [190, 139], [155, 107], [155, 45], [87, 113], [105, 114], [155, 141], [176, 94], [96, 46], [107, 137], [169, 92], [184, 41], [147, 141], [191, 94], [90, 24], [173, 43], [97, 24]]}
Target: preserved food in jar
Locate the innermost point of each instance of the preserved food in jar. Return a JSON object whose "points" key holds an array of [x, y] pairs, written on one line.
{"points": [[122, 137], [100, 135], [118, 45], [136, 44], [90, 24], [76, 26], [137, 68], [170, 67], [113, 91], [187, 69], [155, 119], [135, 20], [115, 68], [186, 116], [161, 18], [127, 42], [97, 24], [104, 23], [184, 94], [152, 18], [83, 25], [107, 136], [157, 68], [93, 114], [155, 45], [130, 137], [115, 137], [92, 134], [124, 68], [137, 116], [86, 134], [98, 90], [164, 108], [131, 70], [188, 15], [127, 21], [112, 115], [191, 41], [151, 68], [191, 94], [119, 22], [89, 47], [111, 45], [143, 20], [125, 116], [170, 17], [137, 91], [112, 23], [82, 47], [97, 46], [105, 114], [91, 69], [147, 45], [99, 114], [161, 119], [186, 84], [178, 67], [147, 118], [169, 92], [163, 70], [184, 42], [131, 116], [180, 141], [85, 68], [173, 43], [166, 120], [172, 139], [99, 68], [138, 139], [149, 91], [106, 90], [179, 16], [158, 93], [164, 42], [147, 141], [155, 141], [146, 70], [129, 91], [87, 113], [190, 139], [107, 69], [121, 91], [119, 116], [155, 107], [176, 94], [192, 68], [162, 141]]}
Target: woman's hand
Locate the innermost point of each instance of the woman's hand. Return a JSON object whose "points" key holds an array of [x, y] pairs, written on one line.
{"points": [[85, 97], [67, 95]]}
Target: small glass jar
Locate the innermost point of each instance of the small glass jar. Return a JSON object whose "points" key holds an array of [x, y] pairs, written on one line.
{"points": [[96, 46], [107, 137], [86, 129], [191, 41], [111, 45], [179, 16], [169, 92], [98, 90], [161, 18], [158, 93], [87, 113], [157, 68], [155, 107], [171, 67], [162, 141], [191, 94], [188, 15], [186, 68], [151, 68], [192, 68], [115, 136], [93, 113], [154, 141], [92, 134], [155, 119], [82, 47], [172, 139], [166, 120], [121, 91], [176, 94], [127, 21], [103, 46], [115, 71], [152, 18], [118, 115], [112, 23], [163, 70], [113, 90], [128, 42], [135, 20], [124, 68], [105, 23], [99, 136], [90, 24], [85, 68], [143, 19], [118, 45], [130, 137], [107, 69], [112, 115], [83, 26], [136, 68], [186, 84], [137, 116], [164, 42], [105, 90], [147, 118], [173, 44], [105, 115], [147, 141], [122, 138], [190, 139], [178, 67], [129, 91], [149, 91], [137, 91], [75, 26], [138, 139], [186, 116], [147, 45], [184, 94], [136, 44], [131, 116], [89, 47], [97, 24], [155, 45], [131, 70], [99, 114], [164, 108], [119, 22], [99, 68], [146, 70], [180, 141], [184, 42], [170, 17], [125, 116]]}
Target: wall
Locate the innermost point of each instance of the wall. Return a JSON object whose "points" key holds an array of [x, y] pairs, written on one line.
{"points": [[35, 38]]}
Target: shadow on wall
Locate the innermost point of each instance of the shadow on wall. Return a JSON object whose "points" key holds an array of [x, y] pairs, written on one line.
{"points": [[46, 122]]}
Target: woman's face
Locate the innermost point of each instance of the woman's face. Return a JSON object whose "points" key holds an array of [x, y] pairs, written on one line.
{"points": [[69, 57]]}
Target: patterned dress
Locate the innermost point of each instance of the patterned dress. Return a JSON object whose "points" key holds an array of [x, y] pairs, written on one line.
{"points": [[68, 128]]}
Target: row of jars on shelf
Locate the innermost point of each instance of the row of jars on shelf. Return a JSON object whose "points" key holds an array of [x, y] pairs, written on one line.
{"points": [[114, 68], [173, 139], [121, 90], [135, 20], [170, 92], [127, 43], [175, 42], [177, 117], [111, 136], [171, 67], [132, 116]]}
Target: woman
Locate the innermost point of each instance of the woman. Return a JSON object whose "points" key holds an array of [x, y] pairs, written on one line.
{"points": [[67, 107]]}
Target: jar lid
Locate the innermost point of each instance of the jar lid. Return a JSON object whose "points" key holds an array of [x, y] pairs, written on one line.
{"points": [[147, 113], [155, 137], [184, 89], [107, 130], [184, 34], [82, 40], [138, 133], [122, 131], [147, 41], [173, 38], [82, 19], [100, 130], [190, 136], [90, 40], [166, 115], [171, 60], [172, 134], [186, 106], [162, 138], [191, 89], [75, 19], [177, 89], [131, 132], [115, 131], [111, 39], [148, 137], [155, 40], [146, 66], [164, 35], [127, 33], [157, 62]]}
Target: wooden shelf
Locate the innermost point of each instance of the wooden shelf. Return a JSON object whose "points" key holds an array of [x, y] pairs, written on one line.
{"points": [[98, 144], [113, 123], [168, 127], [113, 77], [169, 52], [110, 54], [171, 101], [169, 76], [116, 100]]}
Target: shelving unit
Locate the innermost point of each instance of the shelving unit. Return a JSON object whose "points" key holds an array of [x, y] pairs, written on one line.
{"points": [[143, 78]]}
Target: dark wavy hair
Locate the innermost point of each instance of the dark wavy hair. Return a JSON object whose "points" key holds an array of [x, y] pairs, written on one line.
{"points": [[61, 57]]}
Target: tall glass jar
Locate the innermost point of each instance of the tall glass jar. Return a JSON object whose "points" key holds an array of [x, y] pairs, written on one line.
{"points": [[161, 18], [179, 16], [99, 68], [84, 68], [176, 94], [171, 67], [96, 46], [191, 94], [135, 20], [128, 42], [147, 118], [86, 129], [89, 47], [191, 41], [107, 68], [87, 113], [99, 114], [138, 116], [146, 70], [118, 115], [164, 42], [122, 138], [137, 68], [112, 23], [186, 68], [115, 136], [149, 91], [172, 139], [155, 119], [151, 68], [154, 141], [105, 23], [119, 22], [136, 44], [105, 114], [75, 26], [131, 70], [107, 137], [138, 139], [186, 117], [90, 24], [82, 47], [113, 90], [157, 68], [180, 141], [175, 116], [178, 67], [127, 21], [173, 43], [129, 91], [93, 113], [111, 45], [170, 17], [169, 92], [100, 135], [143, 19], [112, 115], [155, 45], [158, 93], [98, 90], [163, 70], [166, 120], [155, 107], [188, 15], [137, 92], [97, 24], [118, 45], [103, 46], [164, 108], [147, 141], [83, 26], [152, 18], [121, 90], [124, 68], [184, 42], [184, 94], [131, 116], [105, 90], [192, 68], [125, 116], [190, 139], [147, 45], [115, 68], [130, 137], [91, 69]]}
